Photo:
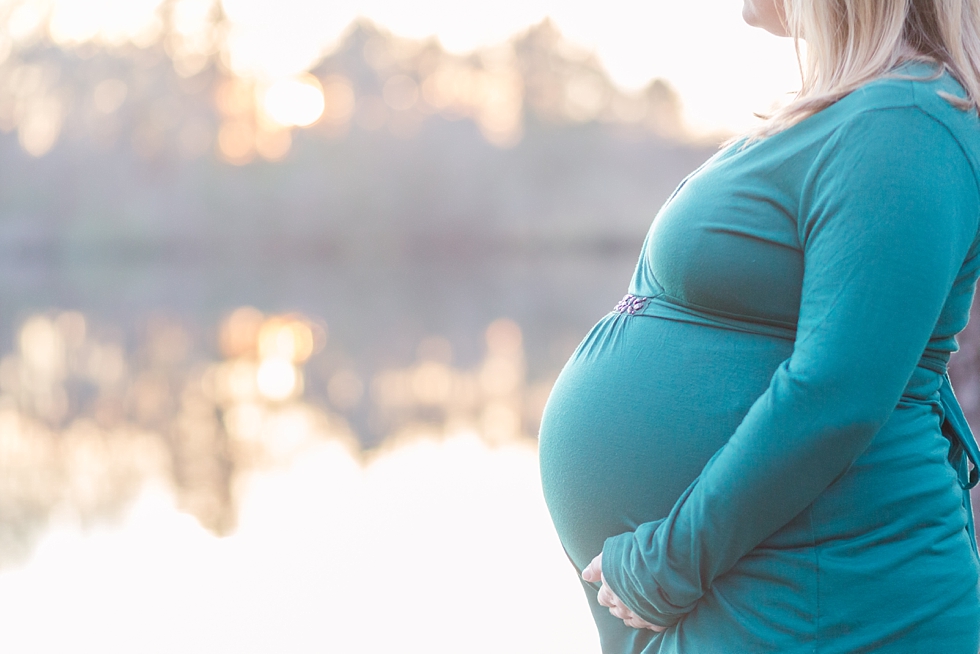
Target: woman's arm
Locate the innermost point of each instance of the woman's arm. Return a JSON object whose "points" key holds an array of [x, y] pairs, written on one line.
{"points": [[888, 215]]}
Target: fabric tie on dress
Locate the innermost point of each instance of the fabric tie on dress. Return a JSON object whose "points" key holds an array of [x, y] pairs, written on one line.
{"points": [[956, 426], [963, 450]]}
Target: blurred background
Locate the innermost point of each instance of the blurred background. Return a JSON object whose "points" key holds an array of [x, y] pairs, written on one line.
{"points": [[284, 288]]}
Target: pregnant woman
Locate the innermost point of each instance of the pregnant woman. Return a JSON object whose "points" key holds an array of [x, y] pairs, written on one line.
{"points": [[759, 450]]}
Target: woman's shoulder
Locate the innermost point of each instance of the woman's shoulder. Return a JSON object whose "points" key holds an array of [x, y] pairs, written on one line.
{"points": [[897, 124], [904, 118], [912, 94], [907, 97]]}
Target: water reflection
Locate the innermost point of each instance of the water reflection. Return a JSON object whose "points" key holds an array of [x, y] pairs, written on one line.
{"points": [[436, 544], [88, 419]]}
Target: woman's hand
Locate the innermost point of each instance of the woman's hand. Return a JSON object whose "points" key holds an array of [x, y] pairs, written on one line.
{"points": [[607, 598]]}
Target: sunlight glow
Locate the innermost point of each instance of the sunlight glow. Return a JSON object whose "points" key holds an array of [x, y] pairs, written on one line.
{"points": [[723, 69], [296, 101], [26, 20], [285, 338], [277, 379], [109, 21]]}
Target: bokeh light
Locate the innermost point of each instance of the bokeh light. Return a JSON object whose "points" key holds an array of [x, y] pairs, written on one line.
{"points": [[239, 333], [276, 378], [109, 21], [338, 99], [296, 101], [286, 338]]}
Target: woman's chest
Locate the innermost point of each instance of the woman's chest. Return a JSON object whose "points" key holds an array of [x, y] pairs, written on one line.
{"points": [[727, 243]]}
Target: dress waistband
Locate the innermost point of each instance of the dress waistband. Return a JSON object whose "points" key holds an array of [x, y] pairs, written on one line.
{"points": [[662, 306]]}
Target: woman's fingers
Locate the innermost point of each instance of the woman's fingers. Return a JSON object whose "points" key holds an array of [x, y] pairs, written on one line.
{"points": [[615, 605], [607, 598], [593, 571], [622, 612], [639, 623]]}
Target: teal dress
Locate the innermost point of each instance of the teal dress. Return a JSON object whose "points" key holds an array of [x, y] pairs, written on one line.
{"points": [[761, 438]]}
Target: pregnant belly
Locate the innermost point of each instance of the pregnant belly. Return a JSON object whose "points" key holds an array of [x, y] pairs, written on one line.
{"points": [[636, 413]]}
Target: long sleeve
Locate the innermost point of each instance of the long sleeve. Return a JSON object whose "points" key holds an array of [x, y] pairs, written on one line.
{"points": [[888, 213]]}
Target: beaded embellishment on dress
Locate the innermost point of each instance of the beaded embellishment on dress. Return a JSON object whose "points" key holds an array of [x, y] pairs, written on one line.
{"points": [[631, 304]]}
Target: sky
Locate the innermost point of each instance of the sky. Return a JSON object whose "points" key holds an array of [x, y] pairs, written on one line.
{"points": [[723, 69]]}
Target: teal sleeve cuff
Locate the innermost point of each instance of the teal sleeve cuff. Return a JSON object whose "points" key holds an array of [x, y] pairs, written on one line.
{"points": [[643, 596]]}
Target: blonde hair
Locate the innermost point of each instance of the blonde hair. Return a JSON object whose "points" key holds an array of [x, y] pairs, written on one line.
{"points": [[852, 42]]}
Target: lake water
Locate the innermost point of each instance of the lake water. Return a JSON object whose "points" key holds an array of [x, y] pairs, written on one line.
{"points": [[434, 544], [319, 457]]}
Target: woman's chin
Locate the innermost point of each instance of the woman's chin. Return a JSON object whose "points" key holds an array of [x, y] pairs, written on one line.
{"points": [[753, 19]]}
